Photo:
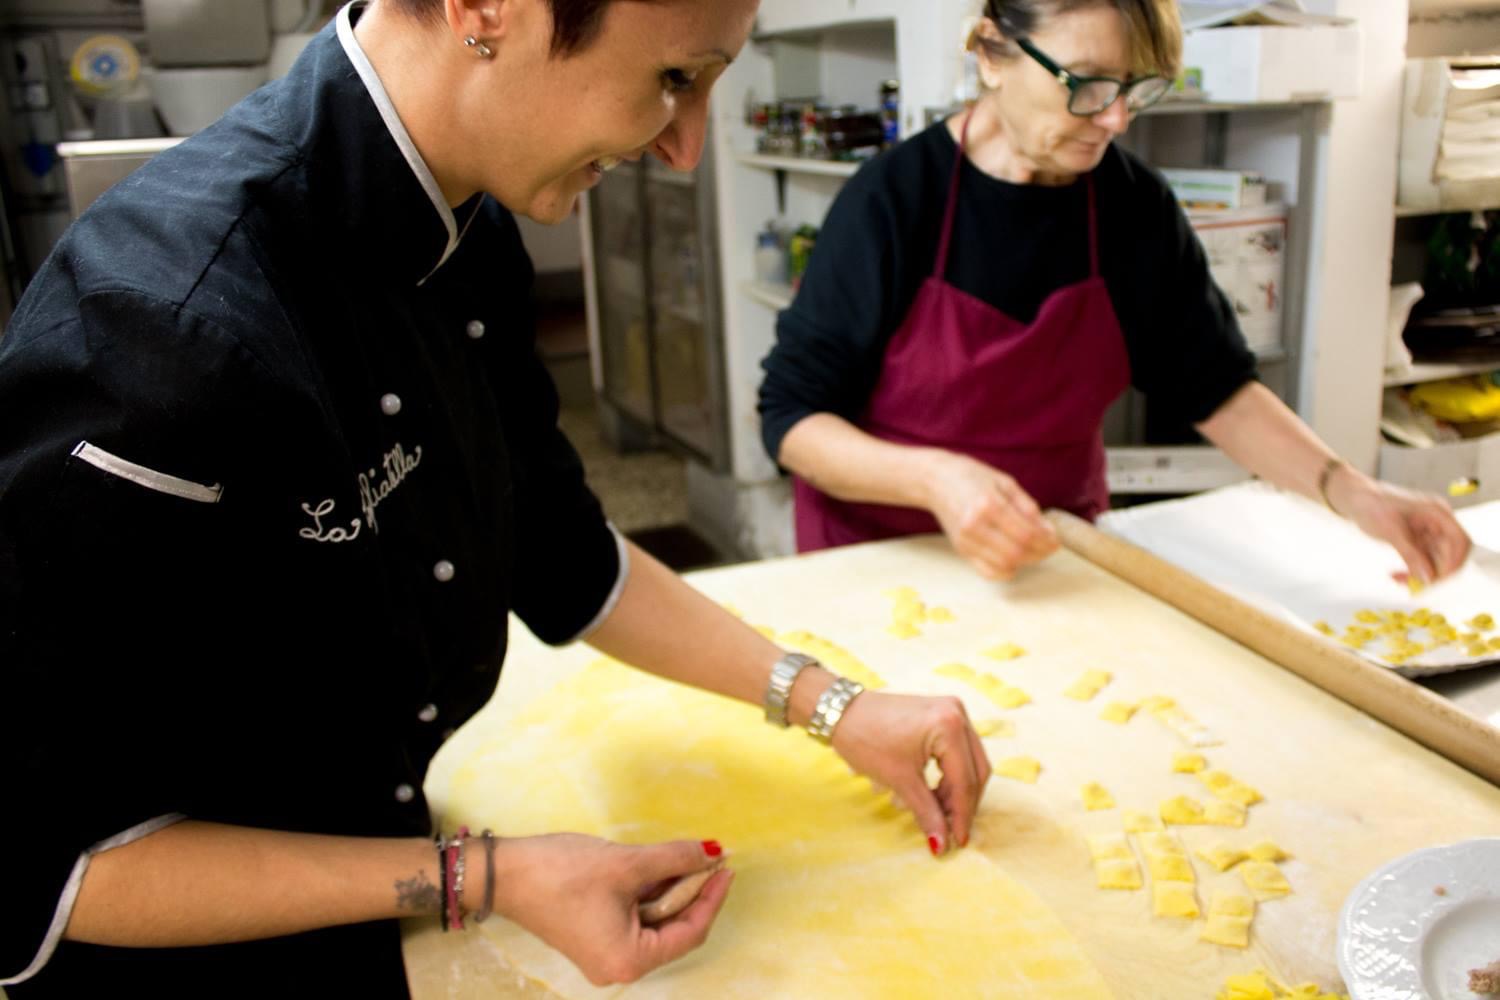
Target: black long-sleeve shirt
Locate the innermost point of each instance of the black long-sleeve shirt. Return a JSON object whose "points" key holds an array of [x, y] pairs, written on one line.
{"points": [[277, 457], [1013, 245]]}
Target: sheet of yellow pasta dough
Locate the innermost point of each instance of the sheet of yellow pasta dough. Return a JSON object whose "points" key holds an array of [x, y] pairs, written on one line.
{"points": [[824, 865]]}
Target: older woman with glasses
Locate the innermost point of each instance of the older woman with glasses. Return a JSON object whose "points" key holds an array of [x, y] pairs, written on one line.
{"points": [[981, 295]]}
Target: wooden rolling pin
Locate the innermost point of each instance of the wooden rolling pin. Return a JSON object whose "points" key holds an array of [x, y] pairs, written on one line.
{"points": [[678, 895], [1410, 708]]}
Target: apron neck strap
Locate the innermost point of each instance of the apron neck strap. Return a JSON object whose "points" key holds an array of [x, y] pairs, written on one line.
{"points": [[940, 267], [1093, 229]]}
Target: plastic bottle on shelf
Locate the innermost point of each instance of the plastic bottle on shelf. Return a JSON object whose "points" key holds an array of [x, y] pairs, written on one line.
{"points": [[770, 257], [890, 111], [799, 250]]}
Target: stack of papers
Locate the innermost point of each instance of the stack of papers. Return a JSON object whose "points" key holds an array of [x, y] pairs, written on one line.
{"points": [[1470, 145]]}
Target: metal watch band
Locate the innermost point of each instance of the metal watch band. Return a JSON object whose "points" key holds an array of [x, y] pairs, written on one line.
{"points": [[832, 704], [779, 690]]}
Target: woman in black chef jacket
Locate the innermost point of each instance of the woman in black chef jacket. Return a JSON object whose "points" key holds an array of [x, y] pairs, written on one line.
{"points": [[276, 460]]}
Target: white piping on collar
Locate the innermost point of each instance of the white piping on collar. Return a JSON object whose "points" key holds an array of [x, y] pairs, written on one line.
{"points": [[398, 132]]}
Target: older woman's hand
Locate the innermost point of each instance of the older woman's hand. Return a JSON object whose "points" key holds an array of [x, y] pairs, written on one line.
{"points": [[582, 896], [991, 521], [891, 737], [1420, 526]]}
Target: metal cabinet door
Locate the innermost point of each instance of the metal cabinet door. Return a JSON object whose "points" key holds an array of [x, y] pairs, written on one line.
{"points": [[624, 321], [686, 355]]}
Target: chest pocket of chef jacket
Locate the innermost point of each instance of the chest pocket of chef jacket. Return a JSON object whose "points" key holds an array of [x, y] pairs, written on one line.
{"points": [[144, 610], [118, 542]]}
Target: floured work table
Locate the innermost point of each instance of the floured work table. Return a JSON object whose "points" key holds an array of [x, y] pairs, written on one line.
{"points": [[835, 893]]}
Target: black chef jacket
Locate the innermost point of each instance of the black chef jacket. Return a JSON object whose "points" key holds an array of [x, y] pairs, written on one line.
{"points": [[277, 457]]}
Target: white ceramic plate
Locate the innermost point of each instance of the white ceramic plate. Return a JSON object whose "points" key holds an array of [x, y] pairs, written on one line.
{"points": [[1400, 939]]}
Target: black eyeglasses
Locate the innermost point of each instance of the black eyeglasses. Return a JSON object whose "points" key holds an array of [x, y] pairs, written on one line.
{"points": [[1089, 95]]}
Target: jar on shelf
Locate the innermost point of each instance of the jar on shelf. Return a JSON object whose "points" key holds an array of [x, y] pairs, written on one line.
{"points": [[854, 135], [811, 141], [788, 136]]}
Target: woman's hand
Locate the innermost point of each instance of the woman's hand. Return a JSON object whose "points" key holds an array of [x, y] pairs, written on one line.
{"points": [[891, 737], [1420, 526], [988, 517], [582, 896]]}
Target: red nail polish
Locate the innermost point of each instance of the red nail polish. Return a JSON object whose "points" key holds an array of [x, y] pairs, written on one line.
{"points": [[935, 846], [712, 848]]}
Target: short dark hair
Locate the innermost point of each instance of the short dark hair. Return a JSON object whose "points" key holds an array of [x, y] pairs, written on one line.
{"points": [[575, 23], [1152, 26]]}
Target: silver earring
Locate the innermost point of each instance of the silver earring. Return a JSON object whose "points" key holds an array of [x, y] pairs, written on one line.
{"points": [[480, 49]]}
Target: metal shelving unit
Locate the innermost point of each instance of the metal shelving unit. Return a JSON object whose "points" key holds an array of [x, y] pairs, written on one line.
{"points": [[825, 168], [1432, 372]]}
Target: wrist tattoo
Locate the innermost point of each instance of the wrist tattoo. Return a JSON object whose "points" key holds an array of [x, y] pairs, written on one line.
{"points": [[418, 895]]}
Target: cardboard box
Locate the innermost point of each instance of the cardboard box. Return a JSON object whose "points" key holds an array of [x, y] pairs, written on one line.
{"points": [[1436, 469], [1277, 64], [1216, 190], [1247, 257]]}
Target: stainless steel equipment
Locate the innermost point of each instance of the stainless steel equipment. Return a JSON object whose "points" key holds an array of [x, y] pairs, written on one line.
{"points": [[660, 331], [92, 168]]}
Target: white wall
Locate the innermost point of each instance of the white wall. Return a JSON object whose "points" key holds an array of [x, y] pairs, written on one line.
{"points": [[746, 200], [855, 63], [1350, 257], [842, 47], [553, 248]]}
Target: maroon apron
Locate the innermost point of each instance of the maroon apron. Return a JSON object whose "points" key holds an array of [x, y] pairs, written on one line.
{"points": [[1026, 398]]}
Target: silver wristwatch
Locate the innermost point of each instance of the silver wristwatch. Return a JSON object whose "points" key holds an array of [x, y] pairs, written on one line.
{"points": [[832, 704], [779, 690]]}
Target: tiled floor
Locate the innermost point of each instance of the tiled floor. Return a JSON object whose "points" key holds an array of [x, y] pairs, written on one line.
{"points": [[643, 493], [639, 491]]}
